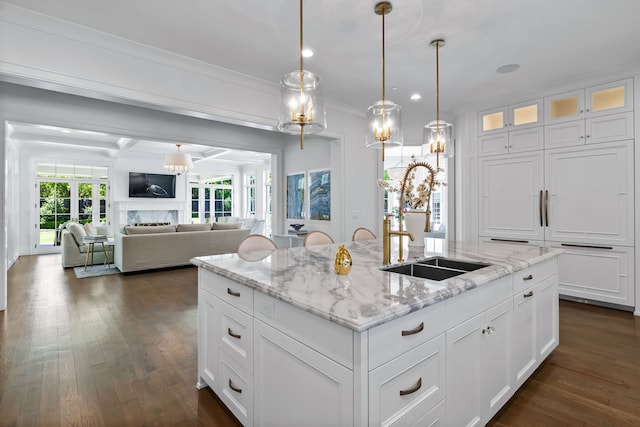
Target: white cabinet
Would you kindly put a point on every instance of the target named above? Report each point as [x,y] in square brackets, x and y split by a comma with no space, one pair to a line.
[479,366]
[512,117]
[535,318]
[512,129]
[610,98]
[405,388]
[297,386]
[510,196]
[591,131]
[208,315]
[590,194]
[597,272]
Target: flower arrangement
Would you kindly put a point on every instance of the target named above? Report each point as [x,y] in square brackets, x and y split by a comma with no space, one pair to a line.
[414,197]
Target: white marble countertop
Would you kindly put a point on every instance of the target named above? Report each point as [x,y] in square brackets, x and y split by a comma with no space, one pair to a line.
[305,278]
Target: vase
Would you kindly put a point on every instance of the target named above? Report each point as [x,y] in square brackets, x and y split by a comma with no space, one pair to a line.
[415,222]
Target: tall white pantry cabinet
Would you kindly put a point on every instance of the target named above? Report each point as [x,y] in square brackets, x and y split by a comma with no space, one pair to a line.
[559,171]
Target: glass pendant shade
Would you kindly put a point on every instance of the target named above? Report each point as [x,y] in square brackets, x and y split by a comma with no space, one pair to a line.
[385,125]
[301,105]
[396,173]
[438,139]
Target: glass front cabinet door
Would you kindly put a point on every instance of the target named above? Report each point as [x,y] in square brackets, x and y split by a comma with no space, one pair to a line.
[609,98]
[512,117]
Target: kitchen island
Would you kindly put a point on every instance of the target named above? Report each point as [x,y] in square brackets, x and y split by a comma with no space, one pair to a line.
[284,340]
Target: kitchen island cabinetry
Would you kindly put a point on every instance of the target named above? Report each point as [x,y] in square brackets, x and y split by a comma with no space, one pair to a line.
[372,348]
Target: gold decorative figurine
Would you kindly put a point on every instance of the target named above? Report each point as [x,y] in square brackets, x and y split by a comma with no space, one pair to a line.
[342,262]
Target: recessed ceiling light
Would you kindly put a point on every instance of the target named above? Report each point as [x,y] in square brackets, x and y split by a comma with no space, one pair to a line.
[307,53]
[509,68]
[415,96]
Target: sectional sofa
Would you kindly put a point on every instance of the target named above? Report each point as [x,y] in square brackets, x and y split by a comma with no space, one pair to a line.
[161,246]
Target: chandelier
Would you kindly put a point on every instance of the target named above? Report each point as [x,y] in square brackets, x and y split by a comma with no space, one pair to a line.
[178,162]
[301,107]
[383,117]
[438,134]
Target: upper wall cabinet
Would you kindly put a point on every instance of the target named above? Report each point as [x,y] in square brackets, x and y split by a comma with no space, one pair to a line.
[609,98]
[517,116]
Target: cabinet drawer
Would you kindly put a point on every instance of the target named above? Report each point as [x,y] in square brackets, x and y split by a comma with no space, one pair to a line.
[414,380]
[417,417]
[236,335]
[227,290]
[401,335]
[235,389]
[324,336]
[528,277]
[462,307]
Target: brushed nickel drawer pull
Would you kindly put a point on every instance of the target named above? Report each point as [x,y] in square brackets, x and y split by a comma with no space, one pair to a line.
[414,331]
[232,293]
[232,334]
[575,245]
[236,389]
[528,294]
[412,389]
[529,277]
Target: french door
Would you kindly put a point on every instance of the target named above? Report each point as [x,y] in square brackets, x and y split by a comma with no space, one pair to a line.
[62,200]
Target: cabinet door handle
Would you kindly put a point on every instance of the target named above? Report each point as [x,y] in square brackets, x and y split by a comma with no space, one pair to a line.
[575,245]
[528,294]
[529,277]
[232,387]
[415,330]
[232,334]
[541,222]
[412,389]
[546,206]
[232,293]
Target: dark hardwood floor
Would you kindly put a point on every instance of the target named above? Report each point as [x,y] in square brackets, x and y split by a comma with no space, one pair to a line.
[121,350]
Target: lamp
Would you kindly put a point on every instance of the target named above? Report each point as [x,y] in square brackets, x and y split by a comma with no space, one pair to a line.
[383,117]
[397,171]
[301,102]
[178,162]
[438,134]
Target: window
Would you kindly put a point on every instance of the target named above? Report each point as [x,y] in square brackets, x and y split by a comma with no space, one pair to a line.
[69,192]
[250,194]
[435,207]
[211,198]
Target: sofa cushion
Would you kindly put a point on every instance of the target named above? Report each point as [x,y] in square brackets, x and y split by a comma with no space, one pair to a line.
[226,226]
[129,229]
[193,227]
[77,231]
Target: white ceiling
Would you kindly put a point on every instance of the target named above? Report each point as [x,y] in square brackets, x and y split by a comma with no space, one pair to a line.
[552,41]
[30,136]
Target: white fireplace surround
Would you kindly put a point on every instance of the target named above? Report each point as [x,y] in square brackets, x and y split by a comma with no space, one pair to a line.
[153,208]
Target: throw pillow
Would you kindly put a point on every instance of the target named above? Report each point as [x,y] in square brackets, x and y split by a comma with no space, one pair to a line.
[226,226]
[248,223]
[77,231]
[150,230]
[90,229]
[193,227]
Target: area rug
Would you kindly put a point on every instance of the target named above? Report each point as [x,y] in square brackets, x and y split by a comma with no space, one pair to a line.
[95,270]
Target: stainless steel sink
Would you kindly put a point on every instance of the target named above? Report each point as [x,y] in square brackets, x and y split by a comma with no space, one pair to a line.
[436,268]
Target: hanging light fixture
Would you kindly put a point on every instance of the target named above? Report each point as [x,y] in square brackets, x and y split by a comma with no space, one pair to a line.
[396,172]
[438,134]
[301,102]
[178,162]
[383,117]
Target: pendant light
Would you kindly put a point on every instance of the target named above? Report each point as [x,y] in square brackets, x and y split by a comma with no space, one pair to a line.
[301,101]
[178,162]
[438,134]
[383,117]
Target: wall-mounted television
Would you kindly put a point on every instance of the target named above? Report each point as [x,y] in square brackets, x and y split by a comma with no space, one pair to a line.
[152,185]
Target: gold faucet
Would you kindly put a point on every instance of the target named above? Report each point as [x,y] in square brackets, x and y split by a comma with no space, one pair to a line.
[386,241]
[386,223]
